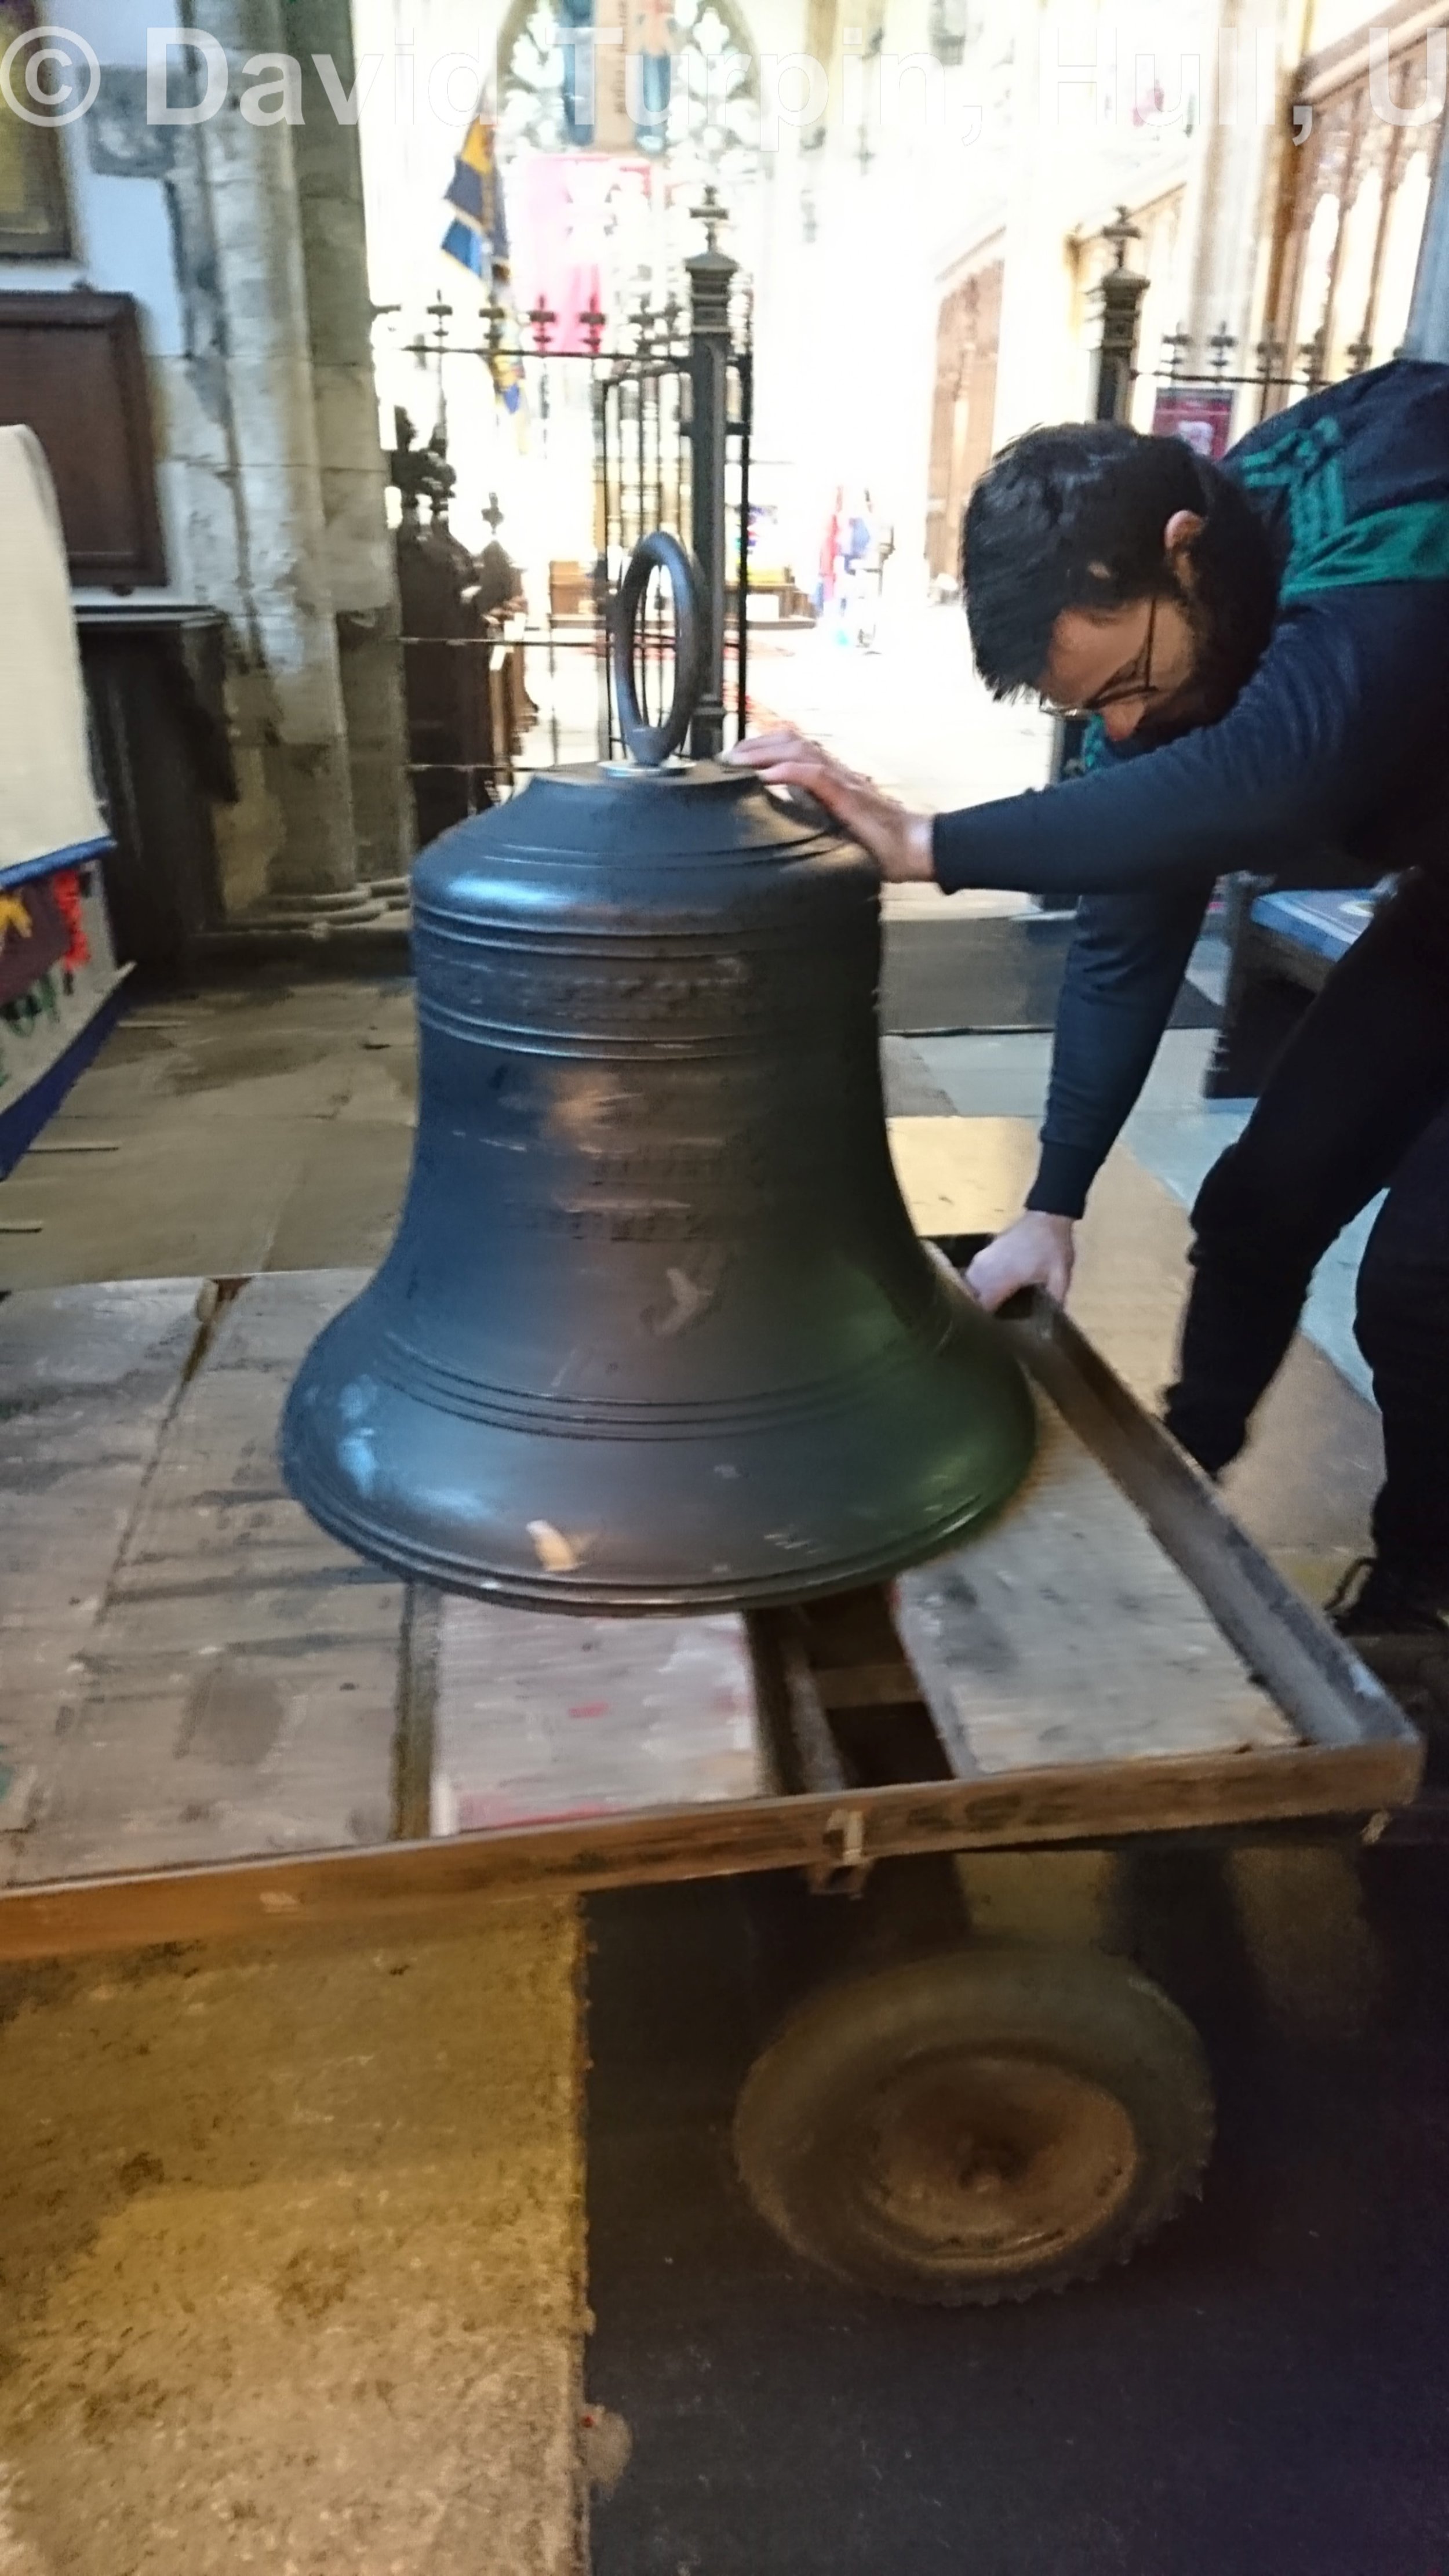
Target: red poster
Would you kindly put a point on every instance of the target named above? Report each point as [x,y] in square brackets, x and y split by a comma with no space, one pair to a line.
[1202,415]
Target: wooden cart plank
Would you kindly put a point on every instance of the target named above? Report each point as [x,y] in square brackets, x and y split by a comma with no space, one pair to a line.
[1065,1633]
[537,1715]
[238,1688]
[1328,1693]
[88,1380]
[243,1687]
[417,1883]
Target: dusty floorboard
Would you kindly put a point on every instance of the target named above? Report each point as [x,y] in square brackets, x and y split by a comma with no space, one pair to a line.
[291,2275]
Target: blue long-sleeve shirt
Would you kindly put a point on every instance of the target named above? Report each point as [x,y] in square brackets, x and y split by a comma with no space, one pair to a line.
[1331,767]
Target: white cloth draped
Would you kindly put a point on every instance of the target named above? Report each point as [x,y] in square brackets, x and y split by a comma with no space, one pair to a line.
[47,800]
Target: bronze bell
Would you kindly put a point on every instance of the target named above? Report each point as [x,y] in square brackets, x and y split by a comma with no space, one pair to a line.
[656,1329]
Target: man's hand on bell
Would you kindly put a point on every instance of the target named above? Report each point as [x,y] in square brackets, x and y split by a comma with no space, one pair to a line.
[1038,1251]
[898,841]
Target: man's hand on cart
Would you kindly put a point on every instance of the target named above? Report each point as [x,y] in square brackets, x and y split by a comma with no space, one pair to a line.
[897,840]
[1038,1251]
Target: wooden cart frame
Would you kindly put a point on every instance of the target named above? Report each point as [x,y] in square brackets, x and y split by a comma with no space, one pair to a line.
[1356,1758]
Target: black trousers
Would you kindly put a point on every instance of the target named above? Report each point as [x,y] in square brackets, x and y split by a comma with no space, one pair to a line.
[1357,1103]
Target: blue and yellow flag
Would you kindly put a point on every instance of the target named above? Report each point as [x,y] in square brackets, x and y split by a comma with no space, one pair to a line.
[477,238]
[478,235]
[507,368]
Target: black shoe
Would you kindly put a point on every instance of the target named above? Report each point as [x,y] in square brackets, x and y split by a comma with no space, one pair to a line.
[1372,1600]
[1401,1630]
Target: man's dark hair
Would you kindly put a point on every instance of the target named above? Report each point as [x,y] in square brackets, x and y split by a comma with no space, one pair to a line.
[1074,518]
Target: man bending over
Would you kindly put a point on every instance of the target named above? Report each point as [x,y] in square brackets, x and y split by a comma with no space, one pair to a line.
[1263,648]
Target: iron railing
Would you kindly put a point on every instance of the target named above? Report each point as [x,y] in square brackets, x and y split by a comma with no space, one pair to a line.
[1278,375]
[670,416]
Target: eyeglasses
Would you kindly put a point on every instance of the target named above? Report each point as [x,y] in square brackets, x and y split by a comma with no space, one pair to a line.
[1134,684]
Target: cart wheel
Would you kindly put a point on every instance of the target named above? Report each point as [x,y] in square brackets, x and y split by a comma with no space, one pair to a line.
[978,2125]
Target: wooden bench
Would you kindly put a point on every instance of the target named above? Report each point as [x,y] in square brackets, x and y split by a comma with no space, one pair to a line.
[1282,948]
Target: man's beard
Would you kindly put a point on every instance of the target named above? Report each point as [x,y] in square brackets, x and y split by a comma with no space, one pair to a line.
[1230,607]
[1224,659]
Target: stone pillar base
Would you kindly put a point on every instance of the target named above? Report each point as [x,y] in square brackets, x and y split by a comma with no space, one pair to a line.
[350,908]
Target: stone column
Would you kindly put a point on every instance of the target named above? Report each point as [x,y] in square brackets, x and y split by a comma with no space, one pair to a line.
[361,567]
[1228,217]
[1040,374]
[289,700]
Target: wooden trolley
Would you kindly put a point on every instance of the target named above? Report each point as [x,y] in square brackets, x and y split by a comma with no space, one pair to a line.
[215,1725]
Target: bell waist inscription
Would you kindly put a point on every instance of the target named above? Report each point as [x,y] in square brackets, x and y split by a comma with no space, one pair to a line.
[665,1221]
[727,1169]
[538,995]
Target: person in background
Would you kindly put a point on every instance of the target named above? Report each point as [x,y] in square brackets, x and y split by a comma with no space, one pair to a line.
[1261,647]
[830,545]
[500,587]
[861,566]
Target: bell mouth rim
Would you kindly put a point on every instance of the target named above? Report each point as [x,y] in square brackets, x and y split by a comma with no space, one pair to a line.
[678,771]
[522,1588]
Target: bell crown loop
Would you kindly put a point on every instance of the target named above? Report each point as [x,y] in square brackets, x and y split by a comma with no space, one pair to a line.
[650,745]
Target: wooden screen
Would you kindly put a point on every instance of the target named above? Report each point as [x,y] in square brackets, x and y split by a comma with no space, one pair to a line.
[1355,198]
[72,368]
[967,334]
